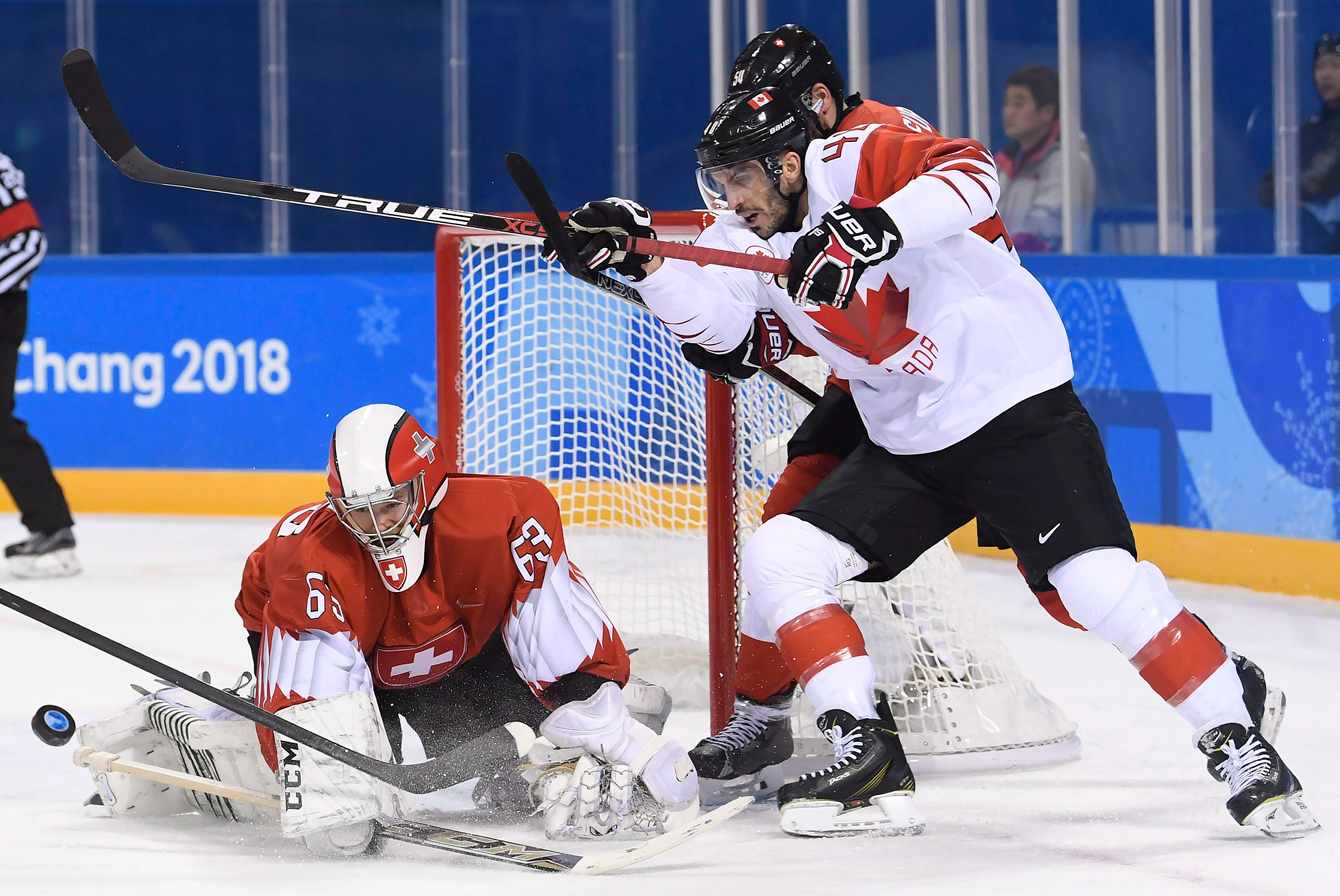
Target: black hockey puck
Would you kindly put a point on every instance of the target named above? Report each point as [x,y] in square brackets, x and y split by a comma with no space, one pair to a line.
[53,725]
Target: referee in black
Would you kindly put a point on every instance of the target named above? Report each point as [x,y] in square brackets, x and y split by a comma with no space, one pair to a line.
[24,468]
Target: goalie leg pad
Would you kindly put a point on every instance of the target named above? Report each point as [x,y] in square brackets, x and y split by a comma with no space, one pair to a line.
[128,734]
[321,793]
[165,729]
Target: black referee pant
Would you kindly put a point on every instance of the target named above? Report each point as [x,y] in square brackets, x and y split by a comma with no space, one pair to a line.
[24,467]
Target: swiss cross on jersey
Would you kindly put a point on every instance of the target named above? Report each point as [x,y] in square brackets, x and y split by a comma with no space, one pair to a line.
[873,326]
[410,667]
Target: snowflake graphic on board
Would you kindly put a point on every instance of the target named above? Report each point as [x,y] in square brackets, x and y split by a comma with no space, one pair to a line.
[1086,307]
[379,325]
[426,413]
[1315,432]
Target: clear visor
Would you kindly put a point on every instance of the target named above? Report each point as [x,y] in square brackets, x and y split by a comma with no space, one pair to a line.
[382,520]
[727,185]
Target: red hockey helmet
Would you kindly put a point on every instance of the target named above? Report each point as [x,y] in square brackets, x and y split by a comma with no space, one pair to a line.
[385,474]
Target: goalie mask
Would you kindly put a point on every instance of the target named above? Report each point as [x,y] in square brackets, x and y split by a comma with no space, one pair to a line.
[385,476]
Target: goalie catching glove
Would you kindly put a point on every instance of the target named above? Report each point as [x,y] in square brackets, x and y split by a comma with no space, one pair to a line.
[830,258]
[612,777]
[769,341]
[593,228]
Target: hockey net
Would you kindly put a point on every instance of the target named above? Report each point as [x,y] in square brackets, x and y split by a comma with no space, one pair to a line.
[661,475]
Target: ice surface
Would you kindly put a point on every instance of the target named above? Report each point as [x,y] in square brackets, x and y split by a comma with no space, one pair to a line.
[1135,814]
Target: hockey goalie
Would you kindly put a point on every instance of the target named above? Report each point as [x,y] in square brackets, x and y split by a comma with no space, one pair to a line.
[445,600]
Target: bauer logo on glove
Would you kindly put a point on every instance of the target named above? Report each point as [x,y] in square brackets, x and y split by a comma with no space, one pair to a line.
[596,228]
[830,258]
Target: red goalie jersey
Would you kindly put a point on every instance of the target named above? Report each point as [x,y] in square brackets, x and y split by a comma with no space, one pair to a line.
[494,559]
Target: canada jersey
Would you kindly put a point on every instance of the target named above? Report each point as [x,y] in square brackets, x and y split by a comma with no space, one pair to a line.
[496,560]
[870,112]
[939,339]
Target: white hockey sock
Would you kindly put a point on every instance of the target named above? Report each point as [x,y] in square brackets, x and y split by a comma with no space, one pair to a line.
[848,684]
[1130,605]
[1217,701]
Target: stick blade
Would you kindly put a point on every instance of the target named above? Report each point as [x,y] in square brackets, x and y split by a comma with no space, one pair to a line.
[604,862]
[84,85]
[532,189]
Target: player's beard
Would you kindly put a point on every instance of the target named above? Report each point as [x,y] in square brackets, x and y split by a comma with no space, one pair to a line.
[773,216]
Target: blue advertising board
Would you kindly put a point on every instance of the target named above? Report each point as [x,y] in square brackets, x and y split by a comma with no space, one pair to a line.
[1215,382]
[221,362]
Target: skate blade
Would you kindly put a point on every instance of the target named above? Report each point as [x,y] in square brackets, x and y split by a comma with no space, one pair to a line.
[1272,715]
[889,815]
[48,566]
[1285,818]
[761,786]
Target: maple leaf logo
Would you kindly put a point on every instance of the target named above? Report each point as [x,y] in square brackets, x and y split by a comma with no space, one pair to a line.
[873,328]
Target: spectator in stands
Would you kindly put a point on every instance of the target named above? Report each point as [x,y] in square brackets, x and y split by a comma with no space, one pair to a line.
[1030,164]
[49,550]
[1319,158]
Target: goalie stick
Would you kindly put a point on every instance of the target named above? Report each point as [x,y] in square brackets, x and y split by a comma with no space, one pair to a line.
[420,833]
[461,764]
[84,86]
[532,189]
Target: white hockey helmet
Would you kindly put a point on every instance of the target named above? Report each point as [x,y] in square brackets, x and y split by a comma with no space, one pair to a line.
[385,474]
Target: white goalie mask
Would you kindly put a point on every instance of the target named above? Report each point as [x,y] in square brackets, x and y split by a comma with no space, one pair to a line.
[385,474]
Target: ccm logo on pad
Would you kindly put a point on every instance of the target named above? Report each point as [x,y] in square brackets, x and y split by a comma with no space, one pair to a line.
[409,667]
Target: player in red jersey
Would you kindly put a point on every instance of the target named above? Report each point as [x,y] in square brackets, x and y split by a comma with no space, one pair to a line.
[449,600]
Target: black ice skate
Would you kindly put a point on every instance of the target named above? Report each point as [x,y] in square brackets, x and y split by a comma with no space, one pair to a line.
[758,735]
[867,790]
[43,555]
[1263,792]
[1265,704]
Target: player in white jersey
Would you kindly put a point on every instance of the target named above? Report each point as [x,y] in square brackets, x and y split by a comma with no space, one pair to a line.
[961,370]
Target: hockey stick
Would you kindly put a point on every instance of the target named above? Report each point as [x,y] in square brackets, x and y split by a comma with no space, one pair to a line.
[422,834]
[99,761]
[532,189]
[461,764]
[84,85]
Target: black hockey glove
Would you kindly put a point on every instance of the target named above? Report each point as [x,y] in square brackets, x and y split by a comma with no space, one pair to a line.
[593,228]
[768,342]
[828,260]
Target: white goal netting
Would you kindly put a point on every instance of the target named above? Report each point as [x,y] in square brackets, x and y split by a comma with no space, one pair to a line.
[590,394]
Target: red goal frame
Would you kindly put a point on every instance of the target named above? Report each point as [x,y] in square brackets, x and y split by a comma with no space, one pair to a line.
[720,448]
